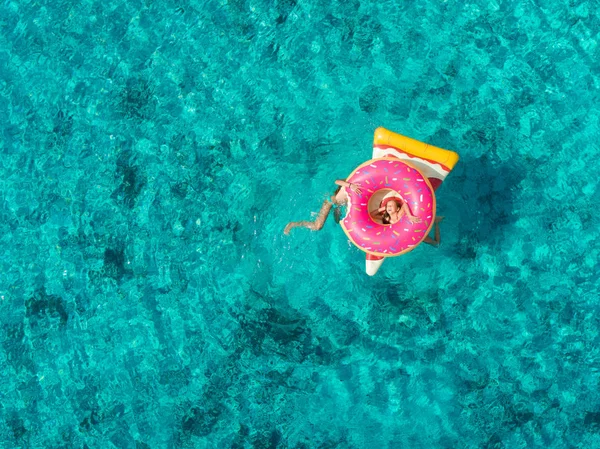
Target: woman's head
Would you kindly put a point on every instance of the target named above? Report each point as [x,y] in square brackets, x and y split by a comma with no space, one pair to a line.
[392,206]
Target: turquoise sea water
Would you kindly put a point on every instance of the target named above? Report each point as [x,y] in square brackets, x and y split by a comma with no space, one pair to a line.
[152,153]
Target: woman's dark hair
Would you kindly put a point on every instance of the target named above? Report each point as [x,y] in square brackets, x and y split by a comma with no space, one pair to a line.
[337,213]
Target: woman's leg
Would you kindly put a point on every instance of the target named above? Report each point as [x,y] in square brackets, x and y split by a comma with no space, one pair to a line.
[438,239]
[312,225]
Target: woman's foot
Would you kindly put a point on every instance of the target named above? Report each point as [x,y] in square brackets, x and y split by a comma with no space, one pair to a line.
[287,229]
[438,219]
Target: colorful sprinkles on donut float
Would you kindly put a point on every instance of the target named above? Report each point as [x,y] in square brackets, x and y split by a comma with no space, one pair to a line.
[380,176]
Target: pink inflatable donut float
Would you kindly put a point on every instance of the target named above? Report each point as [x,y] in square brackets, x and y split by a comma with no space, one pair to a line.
[380,181]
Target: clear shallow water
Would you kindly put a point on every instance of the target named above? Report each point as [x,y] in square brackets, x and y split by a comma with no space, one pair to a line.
[152,154]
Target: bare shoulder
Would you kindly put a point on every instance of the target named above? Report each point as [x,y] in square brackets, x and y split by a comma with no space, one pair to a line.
[340,198]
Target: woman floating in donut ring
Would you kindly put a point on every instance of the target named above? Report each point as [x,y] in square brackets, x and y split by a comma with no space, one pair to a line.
[392,209]
[398,208]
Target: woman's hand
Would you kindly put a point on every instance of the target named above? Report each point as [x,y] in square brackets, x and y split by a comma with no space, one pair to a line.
[355,188]
[414,219]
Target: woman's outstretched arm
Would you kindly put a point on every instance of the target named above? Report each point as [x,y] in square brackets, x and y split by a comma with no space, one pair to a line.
[352,185]
[316,225]
[325,209]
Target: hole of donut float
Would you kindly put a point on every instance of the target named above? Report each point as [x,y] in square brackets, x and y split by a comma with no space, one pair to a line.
[376,199]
